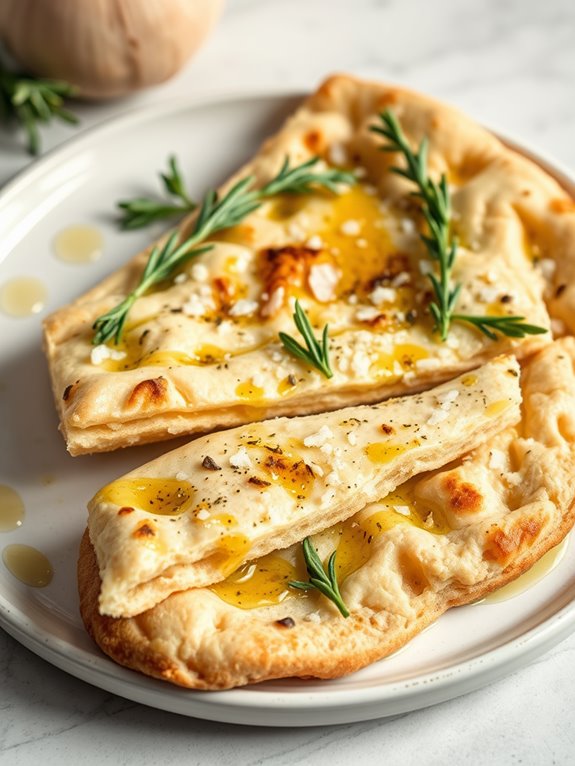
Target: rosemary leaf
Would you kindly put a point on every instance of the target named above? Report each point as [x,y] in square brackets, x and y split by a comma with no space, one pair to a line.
[440,245]
[315,353]
[32,101]
[324,582]
[216,213]
[142,211]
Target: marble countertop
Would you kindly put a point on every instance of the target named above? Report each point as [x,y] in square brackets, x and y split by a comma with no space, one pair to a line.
[510,64]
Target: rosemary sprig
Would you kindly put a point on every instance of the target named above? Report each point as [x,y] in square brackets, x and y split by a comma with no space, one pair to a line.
[315,353]
[441,246]
[32,102]
[142,211]
[215,214]
[325,582]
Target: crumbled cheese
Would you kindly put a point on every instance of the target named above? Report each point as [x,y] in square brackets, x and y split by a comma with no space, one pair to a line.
[361,243]
[322,280]
[200,272]
[277,356]
[337,154]
[315,242]
[327,449]
[243,308]
[366,314]
[497,459]
[179,278]
[408,226]
[437,416]
[452,341]
[448,397]
[102,352]
[196,306]
[350,227]
[319,438]
[224,327]
[425,267]
[258,380]
[382,295]
[275,302]
[241,459]
[361,363]
[352,300]
[333,479]
[181,476]
[202,515]
[547,267]
[403,509]
[343,364]
[490,277]
[313,617]
[317,469]
[295,231]
[352,438]
[403,278]
[488,294]
[426,364]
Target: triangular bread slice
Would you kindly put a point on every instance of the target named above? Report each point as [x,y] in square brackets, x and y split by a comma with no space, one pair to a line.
[195,514]
[203,352]
[443,540]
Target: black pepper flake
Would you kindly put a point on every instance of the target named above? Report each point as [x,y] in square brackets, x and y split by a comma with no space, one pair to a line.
[286,622]
[514,373]
[506,298]
[258,482]
[210,464]
[560,290]
[292,380]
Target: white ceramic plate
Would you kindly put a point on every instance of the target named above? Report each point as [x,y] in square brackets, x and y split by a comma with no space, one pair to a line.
[78,184]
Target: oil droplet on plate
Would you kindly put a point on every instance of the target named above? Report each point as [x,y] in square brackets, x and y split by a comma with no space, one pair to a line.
[79,244]
[11,509]
[22,296]
[538,571]
[28,565]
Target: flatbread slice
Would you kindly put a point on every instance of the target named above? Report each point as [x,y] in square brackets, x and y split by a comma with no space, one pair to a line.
[192,516]
[442,540]
[203,351]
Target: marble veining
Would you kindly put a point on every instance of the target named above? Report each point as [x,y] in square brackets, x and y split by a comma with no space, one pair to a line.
[509,64]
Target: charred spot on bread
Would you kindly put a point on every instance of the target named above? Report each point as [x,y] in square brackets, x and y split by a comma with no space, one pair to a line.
[148,392]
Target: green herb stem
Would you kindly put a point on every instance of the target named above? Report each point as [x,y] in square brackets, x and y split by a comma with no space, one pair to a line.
[324,582]
[216,213]
[440,245]
[315,353]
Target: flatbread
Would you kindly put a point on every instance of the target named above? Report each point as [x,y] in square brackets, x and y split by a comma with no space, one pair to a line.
[468,529]
[195,514]
[203,351]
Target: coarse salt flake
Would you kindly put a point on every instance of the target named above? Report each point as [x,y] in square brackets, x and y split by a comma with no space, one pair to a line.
[315,242]
[203,514]
[366,314]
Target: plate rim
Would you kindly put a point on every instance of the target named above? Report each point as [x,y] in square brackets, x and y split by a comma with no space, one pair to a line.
[239,705]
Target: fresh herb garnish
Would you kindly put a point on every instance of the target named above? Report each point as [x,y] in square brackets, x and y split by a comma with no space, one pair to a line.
[314,352]
[325,582]
[215,214]
[33,101]
[142,211]
[441,246]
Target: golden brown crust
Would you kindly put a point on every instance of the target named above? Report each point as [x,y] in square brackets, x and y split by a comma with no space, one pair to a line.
[412,576]
[512,220]
[308,473]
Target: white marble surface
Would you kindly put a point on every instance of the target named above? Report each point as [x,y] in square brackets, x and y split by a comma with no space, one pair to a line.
[510,63]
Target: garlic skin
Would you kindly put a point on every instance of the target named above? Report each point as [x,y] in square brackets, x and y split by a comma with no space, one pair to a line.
[106,48]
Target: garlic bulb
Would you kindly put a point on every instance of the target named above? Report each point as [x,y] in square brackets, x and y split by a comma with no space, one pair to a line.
[105,47]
